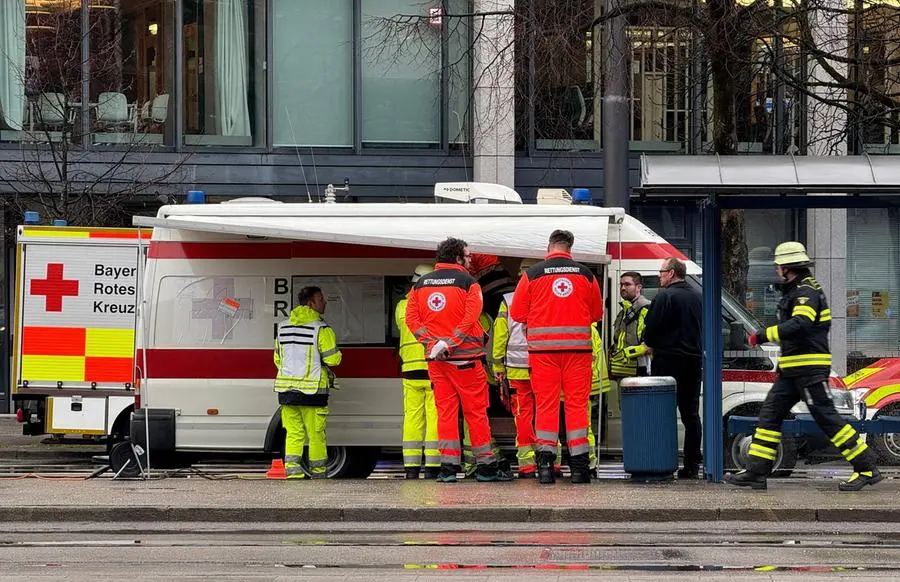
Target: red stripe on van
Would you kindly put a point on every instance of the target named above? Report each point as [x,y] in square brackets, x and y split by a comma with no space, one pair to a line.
[748,376]
[278,250]
[642,251]
[249,364]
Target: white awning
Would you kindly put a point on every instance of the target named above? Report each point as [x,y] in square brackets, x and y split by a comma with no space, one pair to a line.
[752,175]
[506,230]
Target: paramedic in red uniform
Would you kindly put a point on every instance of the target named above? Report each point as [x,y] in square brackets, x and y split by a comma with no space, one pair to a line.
[443,313]
[558,300]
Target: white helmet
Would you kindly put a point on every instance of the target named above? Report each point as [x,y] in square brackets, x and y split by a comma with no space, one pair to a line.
[421,270]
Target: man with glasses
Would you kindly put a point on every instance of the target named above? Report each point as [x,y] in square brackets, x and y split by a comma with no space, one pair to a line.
[443,313]
[672,332]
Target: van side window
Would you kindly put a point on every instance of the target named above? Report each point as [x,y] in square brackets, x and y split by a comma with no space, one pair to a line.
[226,311]
[355,308]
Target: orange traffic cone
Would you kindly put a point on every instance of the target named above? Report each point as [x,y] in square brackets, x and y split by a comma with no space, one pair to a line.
[276,471]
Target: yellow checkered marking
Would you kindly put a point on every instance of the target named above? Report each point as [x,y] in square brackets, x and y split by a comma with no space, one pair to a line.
[59,368]
[109,343]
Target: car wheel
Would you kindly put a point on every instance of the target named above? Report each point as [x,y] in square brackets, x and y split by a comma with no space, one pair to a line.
[886,446]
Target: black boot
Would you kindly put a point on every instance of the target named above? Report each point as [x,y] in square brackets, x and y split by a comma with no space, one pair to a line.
[447,473]
[747,479]
[545,468]
[431,473]
[412,472]
[581,472]
[503,464]
[492,472]
[689,472]
[860,479]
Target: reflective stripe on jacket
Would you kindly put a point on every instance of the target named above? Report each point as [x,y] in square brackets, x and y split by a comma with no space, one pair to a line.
[628,334]
[804,320]
[509,345]
[304,346]
[412,353]
[445,305]
[558,299]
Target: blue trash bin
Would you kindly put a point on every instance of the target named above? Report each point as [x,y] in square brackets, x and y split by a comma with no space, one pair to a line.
[649,429]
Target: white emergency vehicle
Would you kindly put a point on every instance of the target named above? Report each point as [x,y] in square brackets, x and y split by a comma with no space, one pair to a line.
[73,329]
[220,277]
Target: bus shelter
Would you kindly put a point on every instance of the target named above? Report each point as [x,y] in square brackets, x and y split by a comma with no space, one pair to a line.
[750,182]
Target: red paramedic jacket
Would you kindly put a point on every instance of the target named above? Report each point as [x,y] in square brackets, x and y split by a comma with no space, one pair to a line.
[558,299]
[445,305]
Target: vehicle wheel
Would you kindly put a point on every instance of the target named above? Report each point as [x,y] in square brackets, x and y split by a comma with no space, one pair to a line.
[737,449]
[122,455]
[364,461]
[347,462]
[886,446]
[120,430]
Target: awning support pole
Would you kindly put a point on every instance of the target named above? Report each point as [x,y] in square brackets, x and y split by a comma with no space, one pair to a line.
[713,444]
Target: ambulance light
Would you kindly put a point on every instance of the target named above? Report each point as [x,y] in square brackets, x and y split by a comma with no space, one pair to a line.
[581,196]
[212,411]
[196,197]
[60,222]
[32,217]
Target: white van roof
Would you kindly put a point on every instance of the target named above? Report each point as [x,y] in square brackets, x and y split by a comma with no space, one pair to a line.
[501,229]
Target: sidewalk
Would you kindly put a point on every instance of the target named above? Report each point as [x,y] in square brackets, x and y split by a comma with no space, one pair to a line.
[259,500]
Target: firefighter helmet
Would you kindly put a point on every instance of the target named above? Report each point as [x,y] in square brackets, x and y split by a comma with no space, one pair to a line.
[791,254]
[420,271]
[527,264]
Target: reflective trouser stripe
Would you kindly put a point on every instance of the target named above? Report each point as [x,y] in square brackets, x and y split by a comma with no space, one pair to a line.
[851,454]
[522,398]
[302,423]
[525,457]
[767,453]
[419,424]
[770,436]
[843,435]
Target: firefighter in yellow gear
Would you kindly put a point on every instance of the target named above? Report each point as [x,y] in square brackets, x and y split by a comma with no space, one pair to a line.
[419,410]
[804,366]
[305,350]
[628,354]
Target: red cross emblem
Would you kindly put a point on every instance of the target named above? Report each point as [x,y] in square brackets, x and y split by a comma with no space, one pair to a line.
[562,287]
[54,287]
[437,301]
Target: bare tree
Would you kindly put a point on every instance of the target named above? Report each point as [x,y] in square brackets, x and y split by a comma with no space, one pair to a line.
[85,153]
[789,76]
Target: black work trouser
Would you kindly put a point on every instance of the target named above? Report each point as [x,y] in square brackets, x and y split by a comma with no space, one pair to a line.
[813,390]
[687,371]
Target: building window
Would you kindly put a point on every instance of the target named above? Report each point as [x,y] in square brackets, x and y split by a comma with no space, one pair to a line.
[220,78]
[873,282]
[401,75]
[313,73]
[130,63]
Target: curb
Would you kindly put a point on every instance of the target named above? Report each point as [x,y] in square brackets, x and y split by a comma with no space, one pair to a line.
[433,514]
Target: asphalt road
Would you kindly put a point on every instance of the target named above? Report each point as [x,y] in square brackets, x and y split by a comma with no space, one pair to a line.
[636,551]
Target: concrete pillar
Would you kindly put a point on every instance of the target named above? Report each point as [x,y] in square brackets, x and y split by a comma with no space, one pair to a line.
[826,128]
[493,79]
